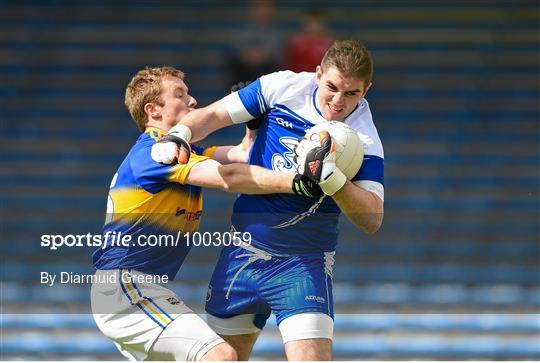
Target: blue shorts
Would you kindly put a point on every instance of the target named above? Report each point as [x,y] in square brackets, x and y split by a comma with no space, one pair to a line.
[255,282]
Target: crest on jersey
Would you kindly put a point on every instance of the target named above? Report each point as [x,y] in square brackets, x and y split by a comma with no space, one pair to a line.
[286,160]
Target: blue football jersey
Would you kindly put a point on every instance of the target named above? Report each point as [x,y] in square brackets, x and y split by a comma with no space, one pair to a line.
[284,223]
[148,199]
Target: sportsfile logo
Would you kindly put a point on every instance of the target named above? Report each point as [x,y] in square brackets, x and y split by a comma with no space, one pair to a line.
[320,300]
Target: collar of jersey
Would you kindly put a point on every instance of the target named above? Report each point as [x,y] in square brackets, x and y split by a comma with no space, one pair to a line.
[153,131]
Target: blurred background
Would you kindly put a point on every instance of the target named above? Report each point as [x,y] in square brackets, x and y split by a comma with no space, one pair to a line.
[454,273]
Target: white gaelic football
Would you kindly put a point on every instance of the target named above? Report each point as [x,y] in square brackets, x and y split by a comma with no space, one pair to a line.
[347,143]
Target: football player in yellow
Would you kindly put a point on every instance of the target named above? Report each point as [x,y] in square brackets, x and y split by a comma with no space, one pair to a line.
[144,319]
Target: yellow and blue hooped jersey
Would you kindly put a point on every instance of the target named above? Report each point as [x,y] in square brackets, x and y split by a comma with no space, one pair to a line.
[149,209]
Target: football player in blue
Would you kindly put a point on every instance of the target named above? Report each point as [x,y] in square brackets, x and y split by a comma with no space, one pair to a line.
[287,269]
[147,200]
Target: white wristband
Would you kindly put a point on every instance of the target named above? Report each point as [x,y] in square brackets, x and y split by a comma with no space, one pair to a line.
[181,131]
[333,183]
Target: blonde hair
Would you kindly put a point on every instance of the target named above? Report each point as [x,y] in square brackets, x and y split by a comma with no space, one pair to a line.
[351,58]
[145,87]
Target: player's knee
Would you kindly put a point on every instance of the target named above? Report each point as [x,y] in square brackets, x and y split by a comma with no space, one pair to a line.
[221,352]
[229,354]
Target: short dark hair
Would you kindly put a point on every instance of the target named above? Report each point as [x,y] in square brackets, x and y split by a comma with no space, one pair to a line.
[351,58]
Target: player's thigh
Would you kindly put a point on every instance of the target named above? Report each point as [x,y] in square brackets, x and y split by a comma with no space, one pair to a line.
[307,336]
[232,289]
[319,349]
[299,285]
[187,338]
[239,331]
[134,315]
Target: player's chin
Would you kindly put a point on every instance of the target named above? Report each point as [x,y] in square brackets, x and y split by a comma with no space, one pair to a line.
[332,115]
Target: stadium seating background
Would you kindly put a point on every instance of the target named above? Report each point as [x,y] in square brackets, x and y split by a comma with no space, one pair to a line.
[453,273]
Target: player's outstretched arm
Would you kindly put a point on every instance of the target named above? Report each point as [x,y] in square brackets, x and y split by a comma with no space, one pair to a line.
[248,179]
[203,121]
[196,125]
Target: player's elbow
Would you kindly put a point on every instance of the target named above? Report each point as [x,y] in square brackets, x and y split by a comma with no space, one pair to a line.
[373,219]
[239,155]
[230,181]
[374,223]
[243,156]
[369,223]
[226,188]
[372,227]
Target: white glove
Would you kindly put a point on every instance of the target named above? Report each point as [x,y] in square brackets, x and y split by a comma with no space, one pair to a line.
[174,146]
[332,179]
[164,152]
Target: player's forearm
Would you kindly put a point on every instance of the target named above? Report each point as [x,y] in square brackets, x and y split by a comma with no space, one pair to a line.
[364,209]
[238,153]
[251,179]
[227,155]
[206,120]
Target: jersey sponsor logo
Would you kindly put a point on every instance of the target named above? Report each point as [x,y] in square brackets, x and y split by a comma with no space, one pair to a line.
[319,299]
[188,216]
[173,301]
[282,122]
[285,161]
